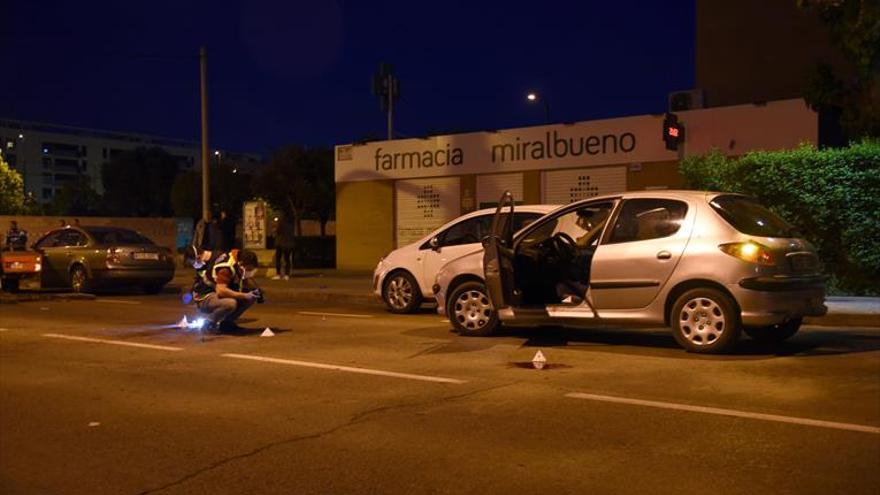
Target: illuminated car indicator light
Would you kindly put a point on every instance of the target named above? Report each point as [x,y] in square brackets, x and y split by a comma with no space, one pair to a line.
[751,252]
[38,267]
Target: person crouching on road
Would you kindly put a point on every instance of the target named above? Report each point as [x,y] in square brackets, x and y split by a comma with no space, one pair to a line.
[233,291]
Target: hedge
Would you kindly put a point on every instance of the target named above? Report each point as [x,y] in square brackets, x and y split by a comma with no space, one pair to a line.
[832,196]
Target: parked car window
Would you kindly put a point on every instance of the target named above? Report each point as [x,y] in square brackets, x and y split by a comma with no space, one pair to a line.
[50,240]
[644,219]
[582,225]
[72,238]
[520,220]
[466,232]
[117,236]
[750,217]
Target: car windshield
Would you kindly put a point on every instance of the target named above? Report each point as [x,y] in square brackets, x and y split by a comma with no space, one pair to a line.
[750,217]
[117,236]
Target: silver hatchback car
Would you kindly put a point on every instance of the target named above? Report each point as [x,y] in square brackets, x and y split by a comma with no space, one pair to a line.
[709,265]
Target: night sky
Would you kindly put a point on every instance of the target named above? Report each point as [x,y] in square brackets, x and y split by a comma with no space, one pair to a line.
[293,71]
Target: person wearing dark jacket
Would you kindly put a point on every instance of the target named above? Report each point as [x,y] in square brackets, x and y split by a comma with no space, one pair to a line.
[284,249]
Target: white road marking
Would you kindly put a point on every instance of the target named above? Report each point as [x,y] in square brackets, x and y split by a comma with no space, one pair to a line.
[343,315]
[117,301]
[444,321]
[4,329]
[729,412]
[349,369]
[112,342]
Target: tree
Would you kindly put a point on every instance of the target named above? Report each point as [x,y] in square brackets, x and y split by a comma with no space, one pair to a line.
[299,182]
[12,198]
[854,26]
[138,182]
[76,198]
[229,189]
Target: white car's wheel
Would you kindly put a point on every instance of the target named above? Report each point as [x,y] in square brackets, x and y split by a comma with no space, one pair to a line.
[470,310]
[401,293]
[705,320]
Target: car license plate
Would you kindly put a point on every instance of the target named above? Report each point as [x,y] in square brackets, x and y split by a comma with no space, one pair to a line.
[16,265]
[146,256]
[801,263]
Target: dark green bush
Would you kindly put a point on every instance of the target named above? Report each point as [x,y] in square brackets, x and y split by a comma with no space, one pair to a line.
[832,196]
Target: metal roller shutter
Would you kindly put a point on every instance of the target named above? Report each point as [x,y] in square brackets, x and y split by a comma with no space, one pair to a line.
[568,186]
[423,205]
[490,188]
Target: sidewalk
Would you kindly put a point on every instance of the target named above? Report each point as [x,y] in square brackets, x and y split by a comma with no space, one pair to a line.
[329,285]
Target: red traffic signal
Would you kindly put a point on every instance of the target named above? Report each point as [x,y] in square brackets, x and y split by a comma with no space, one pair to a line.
[673,132]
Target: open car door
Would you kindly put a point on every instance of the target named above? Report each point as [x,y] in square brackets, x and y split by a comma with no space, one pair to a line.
[498,255]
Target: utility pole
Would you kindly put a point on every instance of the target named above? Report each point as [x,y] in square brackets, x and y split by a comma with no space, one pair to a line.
[206,173]
[387,88]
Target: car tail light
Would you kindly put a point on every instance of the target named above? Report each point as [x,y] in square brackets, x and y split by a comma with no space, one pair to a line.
[750,251]
[38,266]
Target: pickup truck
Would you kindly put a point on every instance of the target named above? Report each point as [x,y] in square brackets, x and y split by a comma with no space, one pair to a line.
[20,270]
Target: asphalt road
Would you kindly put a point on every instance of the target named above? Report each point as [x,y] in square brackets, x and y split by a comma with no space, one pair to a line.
[107,396]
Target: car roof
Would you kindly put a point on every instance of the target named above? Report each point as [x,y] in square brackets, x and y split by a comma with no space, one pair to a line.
[658,193]
[541,208]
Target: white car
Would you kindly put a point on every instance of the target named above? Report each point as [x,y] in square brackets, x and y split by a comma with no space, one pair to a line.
[404,278]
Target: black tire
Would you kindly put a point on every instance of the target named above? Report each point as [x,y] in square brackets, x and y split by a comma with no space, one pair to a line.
[774,334]
[470,310]
[705,320]
[9,284]
[152,289]
[401,293]
[79,279]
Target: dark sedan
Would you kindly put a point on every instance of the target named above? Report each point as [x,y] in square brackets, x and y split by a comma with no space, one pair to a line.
[86,258]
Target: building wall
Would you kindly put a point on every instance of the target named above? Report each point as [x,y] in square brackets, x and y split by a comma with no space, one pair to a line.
[757,50]
[367,206]
[49,156]
[364,223]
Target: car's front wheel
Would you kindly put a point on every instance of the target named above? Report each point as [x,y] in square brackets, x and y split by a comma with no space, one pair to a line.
[774,334]
[705,320]
[79,279]
[470,310]
[401,293]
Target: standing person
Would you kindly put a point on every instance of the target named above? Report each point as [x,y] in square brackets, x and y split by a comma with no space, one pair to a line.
[63,223]
[227,230]
[284,248]
[207,236]
[16,239]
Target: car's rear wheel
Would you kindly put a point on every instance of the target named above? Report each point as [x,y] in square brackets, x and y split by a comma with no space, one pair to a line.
[705,320]
[470,310]
[774,334]
[401,293]
[79,279]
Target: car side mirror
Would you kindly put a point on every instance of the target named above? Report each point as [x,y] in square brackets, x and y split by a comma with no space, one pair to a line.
[434,243]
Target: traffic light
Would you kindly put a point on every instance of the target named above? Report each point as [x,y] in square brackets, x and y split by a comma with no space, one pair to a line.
[673,131]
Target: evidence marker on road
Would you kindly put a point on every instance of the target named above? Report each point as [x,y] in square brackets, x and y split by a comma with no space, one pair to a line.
[539,360]
[267,333]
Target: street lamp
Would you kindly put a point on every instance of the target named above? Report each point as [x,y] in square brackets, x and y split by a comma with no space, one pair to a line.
[532,97]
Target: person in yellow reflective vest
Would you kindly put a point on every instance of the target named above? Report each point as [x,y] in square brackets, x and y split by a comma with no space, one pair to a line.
[224,287]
